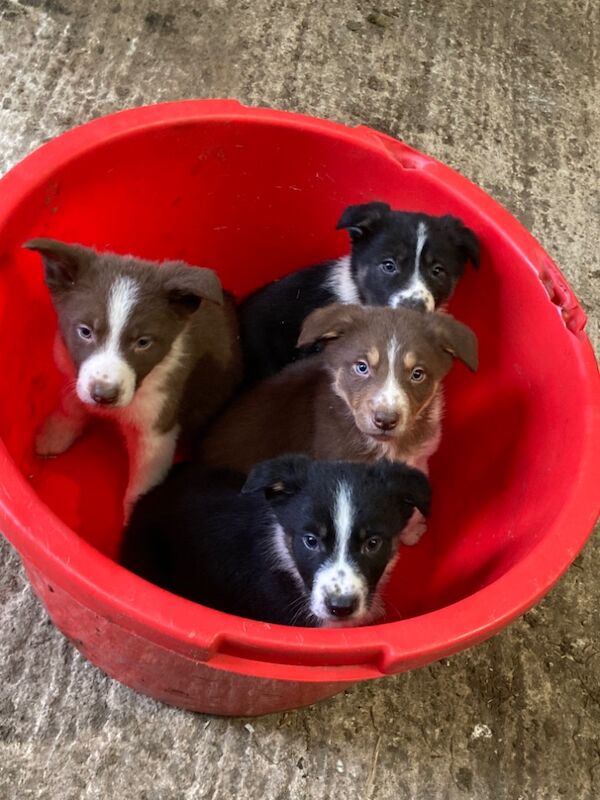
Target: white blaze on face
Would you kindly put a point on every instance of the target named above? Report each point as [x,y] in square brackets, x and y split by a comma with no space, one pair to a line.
[416,290]
[107,364]
[392,396]
[339,576]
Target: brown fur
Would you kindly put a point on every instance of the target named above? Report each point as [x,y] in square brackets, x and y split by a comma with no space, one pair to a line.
[172,386]
[319,406]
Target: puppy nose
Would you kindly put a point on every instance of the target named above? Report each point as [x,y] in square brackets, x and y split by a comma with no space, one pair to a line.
[105,394]
[342,606]
[416,303]
[386,420]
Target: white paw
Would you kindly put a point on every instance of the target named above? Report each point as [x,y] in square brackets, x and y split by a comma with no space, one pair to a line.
[56,435]
[129,502]
[415,528]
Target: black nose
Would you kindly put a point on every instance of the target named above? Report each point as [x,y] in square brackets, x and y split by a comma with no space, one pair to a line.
[416,303]
[342,606]
[105,394]
[386,420]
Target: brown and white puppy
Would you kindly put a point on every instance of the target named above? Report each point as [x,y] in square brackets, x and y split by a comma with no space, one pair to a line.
[136,342]
[374,392]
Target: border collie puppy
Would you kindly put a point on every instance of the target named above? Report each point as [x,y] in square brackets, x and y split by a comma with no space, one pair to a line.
[374,392]
[398,258]
[305,542]
[137,342]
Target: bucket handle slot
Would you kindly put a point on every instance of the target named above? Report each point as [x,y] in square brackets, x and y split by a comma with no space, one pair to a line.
[562,296]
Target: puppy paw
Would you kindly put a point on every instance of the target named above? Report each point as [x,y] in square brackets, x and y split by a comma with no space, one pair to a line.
[415,528]
[56,435]
[129,502]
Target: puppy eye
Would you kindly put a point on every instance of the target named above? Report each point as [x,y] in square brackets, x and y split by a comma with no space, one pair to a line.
[437,270]
[361,368]
[371,545]
[310,542]
[418,375]
[85,332]
[389,266]
[143,343]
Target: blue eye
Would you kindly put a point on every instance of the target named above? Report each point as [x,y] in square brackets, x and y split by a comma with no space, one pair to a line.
[361,368]
[310,542]
[389,266]
[85,332]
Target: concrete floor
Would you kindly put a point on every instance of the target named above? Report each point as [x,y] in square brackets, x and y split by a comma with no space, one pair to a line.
[506,93]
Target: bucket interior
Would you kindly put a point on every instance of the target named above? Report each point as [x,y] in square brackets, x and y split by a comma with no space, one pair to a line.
[255,201]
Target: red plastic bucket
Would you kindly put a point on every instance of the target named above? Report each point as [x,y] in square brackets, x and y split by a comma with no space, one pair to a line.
[255,194]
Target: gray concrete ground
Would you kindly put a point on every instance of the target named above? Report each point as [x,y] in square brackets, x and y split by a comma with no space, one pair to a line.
[505,92]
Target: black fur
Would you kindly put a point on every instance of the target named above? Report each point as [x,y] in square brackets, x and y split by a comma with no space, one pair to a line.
[210,536]
[271,318]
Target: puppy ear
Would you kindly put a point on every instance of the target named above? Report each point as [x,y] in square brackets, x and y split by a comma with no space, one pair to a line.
[278,477]
[410,485]
[187,287]
[464,239]
[63,263]
[362,219]
[417,492]
[456,339]
[329,322]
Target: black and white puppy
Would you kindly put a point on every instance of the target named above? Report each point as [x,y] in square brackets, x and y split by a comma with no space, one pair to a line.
[299,542]
[398,258]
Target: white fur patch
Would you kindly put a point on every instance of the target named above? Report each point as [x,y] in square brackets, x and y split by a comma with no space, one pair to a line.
[281,556]
[342,284]
[392,396]
[421,239]
[339,576]
[107,364]
[150,457]
[416,289]
[150,452]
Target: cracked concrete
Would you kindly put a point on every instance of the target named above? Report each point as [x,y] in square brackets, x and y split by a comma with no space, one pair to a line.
[506,93]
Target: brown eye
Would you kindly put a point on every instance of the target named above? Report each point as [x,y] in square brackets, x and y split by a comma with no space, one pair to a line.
[310,542]
[143,343]
[371,545]
[389,266]
[438,270]
[361,368]
[418,375]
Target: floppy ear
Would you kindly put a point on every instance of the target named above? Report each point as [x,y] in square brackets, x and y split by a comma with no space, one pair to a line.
[362,219]
[278,477]
[417,491]
[464,239]
[63,263]
[408,484]
[187,287]
[456,339]
[329,322]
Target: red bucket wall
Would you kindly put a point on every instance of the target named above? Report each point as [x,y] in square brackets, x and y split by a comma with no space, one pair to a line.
[256,201]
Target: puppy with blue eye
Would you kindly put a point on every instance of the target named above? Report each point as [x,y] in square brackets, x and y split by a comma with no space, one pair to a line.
[375,391]
[297,542]
[151,346]
[397,258]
